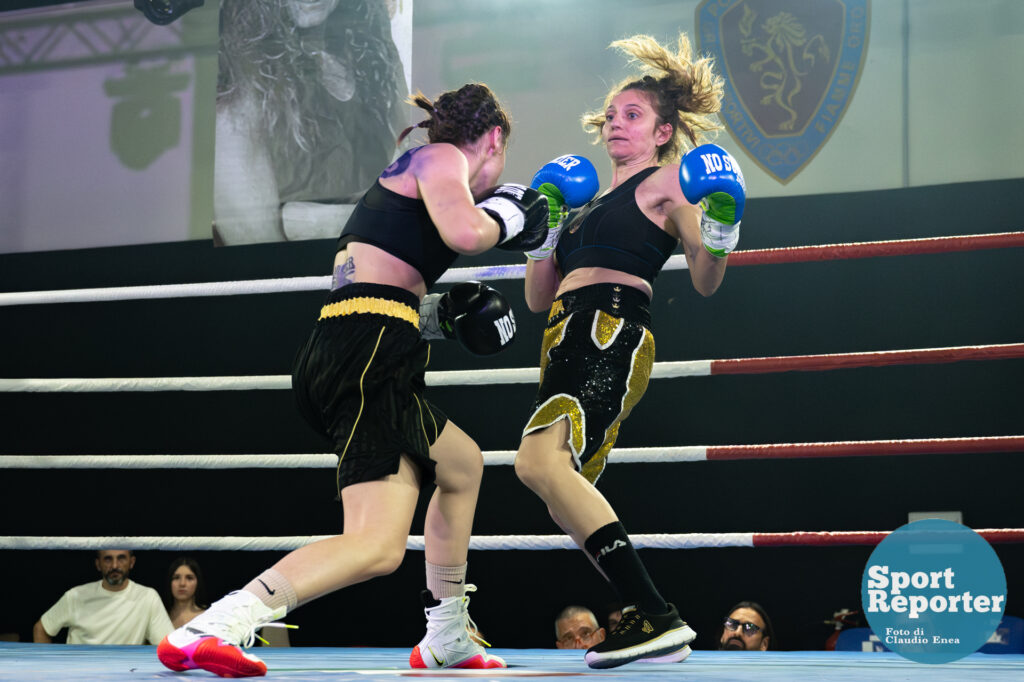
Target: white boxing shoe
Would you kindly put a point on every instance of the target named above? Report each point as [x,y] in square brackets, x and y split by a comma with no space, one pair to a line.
[448,643]
[677,656]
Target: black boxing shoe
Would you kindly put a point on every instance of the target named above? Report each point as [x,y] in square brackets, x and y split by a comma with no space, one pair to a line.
[641,635]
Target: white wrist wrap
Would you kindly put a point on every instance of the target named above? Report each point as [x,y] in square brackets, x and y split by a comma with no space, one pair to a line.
[508,212]
[719,239]
[547,249]
[430,326]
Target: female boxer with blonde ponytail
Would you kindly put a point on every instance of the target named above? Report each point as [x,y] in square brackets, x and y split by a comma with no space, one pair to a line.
[598,349]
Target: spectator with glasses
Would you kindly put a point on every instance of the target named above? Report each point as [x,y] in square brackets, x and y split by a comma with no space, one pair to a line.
[576,628]
[747,628]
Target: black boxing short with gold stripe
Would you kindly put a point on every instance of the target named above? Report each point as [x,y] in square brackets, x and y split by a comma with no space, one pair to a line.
[596,361]
[359,381]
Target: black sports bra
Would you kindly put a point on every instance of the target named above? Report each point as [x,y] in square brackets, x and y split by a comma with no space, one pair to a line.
[401,226]
[612,232]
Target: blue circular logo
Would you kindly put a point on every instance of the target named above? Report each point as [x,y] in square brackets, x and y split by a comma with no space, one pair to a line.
[933,591]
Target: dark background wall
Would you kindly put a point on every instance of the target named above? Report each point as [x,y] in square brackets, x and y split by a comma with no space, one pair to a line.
[827,307]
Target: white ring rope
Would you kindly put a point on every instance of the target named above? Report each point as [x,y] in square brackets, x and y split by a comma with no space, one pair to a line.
[415,542]
[301,461]
[484,542]
[274,382]
[524,375]
[795,254]
[251,286]
[531,375]
[147,384]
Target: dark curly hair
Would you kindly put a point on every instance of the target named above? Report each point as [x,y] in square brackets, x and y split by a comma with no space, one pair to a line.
[460,116]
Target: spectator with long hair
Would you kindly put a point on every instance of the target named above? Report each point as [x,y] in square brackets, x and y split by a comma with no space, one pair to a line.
[184,591]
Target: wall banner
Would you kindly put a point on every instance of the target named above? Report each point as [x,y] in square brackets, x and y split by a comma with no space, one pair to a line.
[791,68]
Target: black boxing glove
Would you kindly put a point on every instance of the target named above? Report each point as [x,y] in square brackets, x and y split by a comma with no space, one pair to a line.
[521,213]
[475,314]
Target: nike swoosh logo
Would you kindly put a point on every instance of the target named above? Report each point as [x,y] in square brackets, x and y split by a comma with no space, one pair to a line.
[269,591]
[453,582]
[439,661]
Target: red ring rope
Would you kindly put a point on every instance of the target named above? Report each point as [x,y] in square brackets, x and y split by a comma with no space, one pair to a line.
[811,363]
[861,448]
[848,538]
[894,247]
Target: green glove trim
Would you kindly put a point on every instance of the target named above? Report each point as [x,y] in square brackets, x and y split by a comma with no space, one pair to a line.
[721,207]
[555,203]
[717,253]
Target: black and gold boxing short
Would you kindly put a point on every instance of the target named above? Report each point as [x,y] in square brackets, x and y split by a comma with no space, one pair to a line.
[596,360]
[359,381]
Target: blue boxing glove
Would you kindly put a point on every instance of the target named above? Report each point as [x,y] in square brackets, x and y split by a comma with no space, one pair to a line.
[567,182]
[477,315]
[710,176]
[573,176]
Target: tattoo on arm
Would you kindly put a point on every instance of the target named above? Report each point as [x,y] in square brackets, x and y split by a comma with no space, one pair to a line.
[401,164]
[343,274]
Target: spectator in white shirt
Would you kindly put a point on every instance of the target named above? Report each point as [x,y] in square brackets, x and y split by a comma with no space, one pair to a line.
[112,610]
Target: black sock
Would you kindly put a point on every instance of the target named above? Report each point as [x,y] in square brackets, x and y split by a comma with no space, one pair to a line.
[615,554]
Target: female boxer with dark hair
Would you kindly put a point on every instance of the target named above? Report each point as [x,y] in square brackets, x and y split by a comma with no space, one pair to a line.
[598,349]
[359,380]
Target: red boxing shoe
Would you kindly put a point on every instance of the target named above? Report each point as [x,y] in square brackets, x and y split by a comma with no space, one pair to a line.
[213,640]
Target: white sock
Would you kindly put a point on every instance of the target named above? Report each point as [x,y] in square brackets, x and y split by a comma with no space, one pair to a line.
[446,581]
[273,589]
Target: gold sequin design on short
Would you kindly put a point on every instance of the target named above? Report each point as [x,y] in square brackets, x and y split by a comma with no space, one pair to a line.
[636,385]
[558,407]
[606,328]
[561,405]
[552,337]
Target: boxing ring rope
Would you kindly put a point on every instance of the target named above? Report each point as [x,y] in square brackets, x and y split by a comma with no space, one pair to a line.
[653,455]
[760,365]
[488,542]
[794,254]
[529,375]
